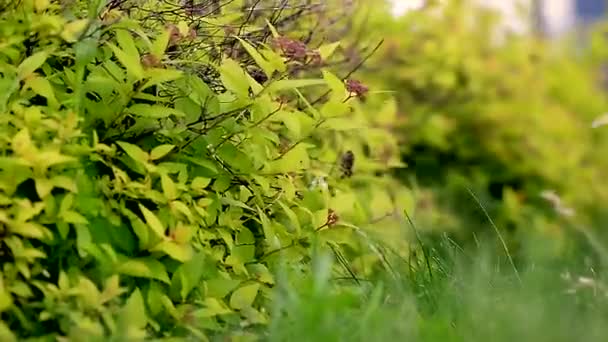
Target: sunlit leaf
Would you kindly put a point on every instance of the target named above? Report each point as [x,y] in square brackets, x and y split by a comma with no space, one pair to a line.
[153,222]
[134,151]
[144,268]
[30,64]
[153,111]
[243,297]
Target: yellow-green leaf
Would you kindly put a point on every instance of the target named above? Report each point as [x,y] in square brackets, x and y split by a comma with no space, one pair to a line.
[134,151]
[29,230]
[293,84]
[6,301]
[43,187]
[144,268]
[160,151]
[234,78]
[160,44]
[134,310]
[168,186]
[243,297]
[327,50]
[73,30]
[42,87]
[213,307]
[257,57]
[176,251]
[153,111]
[153,222]
[200,183]
[30,64]
[131,63]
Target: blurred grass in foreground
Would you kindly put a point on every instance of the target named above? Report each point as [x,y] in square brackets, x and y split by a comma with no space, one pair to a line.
[469,296]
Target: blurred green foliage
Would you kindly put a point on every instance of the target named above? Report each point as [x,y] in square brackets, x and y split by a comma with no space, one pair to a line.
[507,116]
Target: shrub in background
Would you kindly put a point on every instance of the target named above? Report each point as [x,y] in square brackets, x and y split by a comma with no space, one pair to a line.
[509,117]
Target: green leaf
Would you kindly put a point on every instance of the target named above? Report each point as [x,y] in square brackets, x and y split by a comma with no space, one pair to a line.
[326,50]
[213,307]
[42,87]
[141,230]
[131,62]
[5,334]
[200,183]
[342,124]
[6,301]
[158,76]
[134,152]
[134,311]
[153,222]
[292,216]
[73,30]
[153,111]
[146,267]
[293,84]
[169,188]
[294,160]
[220,287]
[30,64]
[188,276]
[234,78]
[160,151]
[244,296]
[176,251]
[160,44]
[273,30]
[335,84]
[258,58]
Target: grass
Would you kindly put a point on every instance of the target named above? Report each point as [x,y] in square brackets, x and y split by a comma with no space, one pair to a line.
[471,296]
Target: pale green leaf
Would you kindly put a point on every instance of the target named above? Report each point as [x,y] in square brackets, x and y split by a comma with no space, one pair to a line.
[326,50]
[188,276]
[160,151]
[258,58]
[176,251]
[134,310]
[134,151]
[144,268]
[243,297]
[153,111]
[200,183]
[73,30]
[153,222]
[42,87]
[30,64]
[234,78]
[169,188]
[293,84]
[131,63]
[160,44]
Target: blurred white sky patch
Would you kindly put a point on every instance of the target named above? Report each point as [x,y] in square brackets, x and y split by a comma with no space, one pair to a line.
[557,15]
[400,7]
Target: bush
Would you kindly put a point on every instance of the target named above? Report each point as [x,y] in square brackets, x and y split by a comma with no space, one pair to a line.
[157,172]
[507,116]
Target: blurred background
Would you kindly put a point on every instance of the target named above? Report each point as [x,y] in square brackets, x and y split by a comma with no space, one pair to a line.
[505,100]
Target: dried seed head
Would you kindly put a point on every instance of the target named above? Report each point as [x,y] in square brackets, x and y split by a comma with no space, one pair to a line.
[356,87]
[291,48]
[332,217]
[315,58]
[347,162]
[150,61]
[174,35]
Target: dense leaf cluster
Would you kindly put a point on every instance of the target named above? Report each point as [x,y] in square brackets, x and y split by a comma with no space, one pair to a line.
[161,162]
